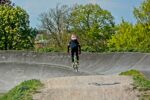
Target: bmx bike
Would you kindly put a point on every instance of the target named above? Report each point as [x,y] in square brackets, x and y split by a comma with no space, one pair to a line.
[75,64]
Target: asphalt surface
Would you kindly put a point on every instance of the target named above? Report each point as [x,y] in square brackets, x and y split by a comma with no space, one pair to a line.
[17,66]
[96,87]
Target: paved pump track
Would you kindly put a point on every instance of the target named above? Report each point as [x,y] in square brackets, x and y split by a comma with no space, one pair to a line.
[17,66]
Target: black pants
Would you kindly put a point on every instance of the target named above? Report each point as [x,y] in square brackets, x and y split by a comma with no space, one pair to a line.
[74,51]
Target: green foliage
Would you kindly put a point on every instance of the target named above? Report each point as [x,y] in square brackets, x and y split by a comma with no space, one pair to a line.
[131,38]
[142,13]
[23,91]
[88,49]
[15,33]
[48,49]
[93,24]
[96,29]
[140,83]
[90,22]
[1,94]
[121,41]
[132,73]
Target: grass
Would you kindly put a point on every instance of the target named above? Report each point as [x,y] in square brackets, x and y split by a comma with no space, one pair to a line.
[140,83]
[23,91]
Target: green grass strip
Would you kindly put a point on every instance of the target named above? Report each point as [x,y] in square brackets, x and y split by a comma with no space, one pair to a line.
[23,91]
[140,83]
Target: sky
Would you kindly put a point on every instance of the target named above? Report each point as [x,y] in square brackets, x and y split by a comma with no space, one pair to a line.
[118,8]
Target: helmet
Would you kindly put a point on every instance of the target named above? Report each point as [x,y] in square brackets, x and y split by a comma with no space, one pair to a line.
[73,37]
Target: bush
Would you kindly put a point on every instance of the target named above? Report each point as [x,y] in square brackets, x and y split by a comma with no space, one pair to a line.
[23,91]
[140,83]
[48,49]
[88,49]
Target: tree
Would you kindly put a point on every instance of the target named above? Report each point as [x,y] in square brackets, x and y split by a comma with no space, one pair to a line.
[93,24]
[15,33]
[7,2]
[136,37]
[55,22]
[124,39]
[130,38]
[141,13]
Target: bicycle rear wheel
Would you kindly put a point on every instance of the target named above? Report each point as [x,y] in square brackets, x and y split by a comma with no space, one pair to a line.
[76,67]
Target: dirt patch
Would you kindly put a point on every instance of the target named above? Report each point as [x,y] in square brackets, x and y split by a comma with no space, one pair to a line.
[88,88]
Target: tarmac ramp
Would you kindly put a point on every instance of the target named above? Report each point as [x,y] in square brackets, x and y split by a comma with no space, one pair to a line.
[17,66]
[97,87]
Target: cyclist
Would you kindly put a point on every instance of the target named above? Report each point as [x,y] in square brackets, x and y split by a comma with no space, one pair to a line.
[75,47]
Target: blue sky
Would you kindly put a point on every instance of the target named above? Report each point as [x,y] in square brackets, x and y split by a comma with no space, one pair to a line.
[118,8]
